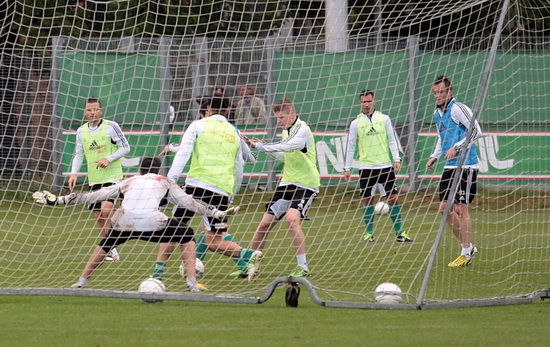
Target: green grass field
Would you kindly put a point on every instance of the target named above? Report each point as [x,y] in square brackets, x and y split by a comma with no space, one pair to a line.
[67,321]
[47,247]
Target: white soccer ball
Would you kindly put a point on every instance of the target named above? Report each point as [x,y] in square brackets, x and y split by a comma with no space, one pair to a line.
[199,268]
[381,208]
[388,293]
[151,286]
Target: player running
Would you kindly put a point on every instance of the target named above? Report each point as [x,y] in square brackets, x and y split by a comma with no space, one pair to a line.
[299,185]
[213,145]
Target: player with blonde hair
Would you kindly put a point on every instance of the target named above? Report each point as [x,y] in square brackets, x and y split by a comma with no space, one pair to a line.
[298,187]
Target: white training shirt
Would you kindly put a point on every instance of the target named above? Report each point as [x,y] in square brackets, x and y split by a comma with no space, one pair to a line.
[143,194]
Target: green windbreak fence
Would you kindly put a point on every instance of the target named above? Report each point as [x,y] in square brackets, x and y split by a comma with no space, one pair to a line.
[326,86]
[128,85]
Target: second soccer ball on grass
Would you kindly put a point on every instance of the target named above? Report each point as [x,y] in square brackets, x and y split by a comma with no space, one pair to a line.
[388,293]
[381,208]
[199,268]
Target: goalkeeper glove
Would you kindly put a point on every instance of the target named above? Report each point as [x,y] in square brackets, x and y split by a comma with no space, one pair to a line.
[229,212]
[46,198]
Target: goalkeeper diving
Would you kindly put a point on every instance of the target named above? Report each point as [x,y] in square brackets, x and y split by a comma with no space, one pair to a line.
[140,217]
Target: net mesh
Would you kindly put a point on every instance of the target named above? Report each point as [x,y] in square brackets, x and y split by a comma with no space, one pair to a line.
[150,62]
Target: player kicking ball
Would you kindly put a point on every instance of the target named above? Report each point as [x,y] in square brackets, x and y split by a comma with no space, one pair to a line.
[139,217]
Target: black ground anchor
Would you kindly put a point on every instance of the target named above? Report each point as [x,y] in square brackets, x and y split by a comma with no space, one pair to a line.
[292,294]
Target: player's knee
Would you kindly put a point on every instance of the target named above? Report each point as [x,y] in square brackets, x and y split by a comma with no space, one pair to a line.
[212,247]
[460,209]
[105,213]
[212,240]
[107,207]
[210,236]
[293,218]
[104,216]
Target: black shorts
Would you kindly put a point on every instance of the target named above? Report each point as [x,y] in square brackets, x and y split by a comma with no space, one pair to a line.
[96,206]
[290,196]
[467,187]
[221,202]
[379,178]
[175,231]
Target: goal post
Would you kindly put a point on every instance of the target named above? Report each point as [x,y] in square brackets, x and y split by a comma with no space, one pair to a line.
[151,64]
[457,177]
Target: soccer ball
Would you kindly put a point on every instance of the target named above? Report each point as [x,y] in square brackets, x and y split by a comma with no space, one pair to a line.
[151,286]
[388,293]
[199,268]
[381,208]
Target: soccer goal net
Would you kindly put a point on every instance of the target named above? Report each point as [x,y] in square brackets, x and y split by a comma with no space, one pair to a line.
[151,63]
